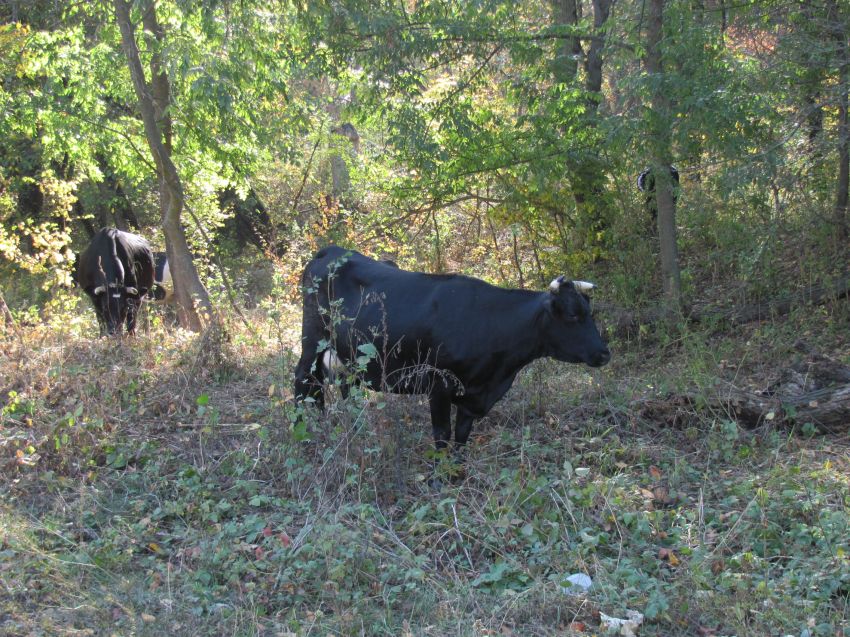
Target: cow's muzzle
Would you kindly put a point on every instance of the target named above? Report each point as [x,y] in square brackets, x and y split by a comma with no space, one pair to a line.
[600,358]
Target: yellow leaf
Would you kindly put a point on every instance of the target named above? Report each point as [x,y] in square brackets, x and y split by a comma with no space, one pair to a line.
[271,390]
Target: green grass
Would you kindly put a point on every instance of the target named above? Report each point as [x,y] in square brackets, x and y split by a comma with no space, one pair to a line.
[147,491]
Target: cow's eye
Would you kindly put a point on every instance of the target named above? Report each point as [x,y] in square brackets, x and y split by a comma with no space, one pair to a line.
[571,318]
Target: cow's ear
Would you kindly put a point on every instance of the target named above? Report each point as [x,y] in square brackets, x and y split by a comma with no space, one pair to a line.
[552,305]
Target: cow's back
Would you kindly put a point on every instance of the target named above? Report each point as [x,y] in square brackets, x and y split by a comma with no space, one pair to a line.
[447,320]
[123,256]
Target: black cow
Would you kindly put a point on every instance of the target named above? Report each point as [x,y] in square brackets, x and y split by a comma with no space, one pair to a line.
[457,339]
[163,286]
[646,184]
[116,271]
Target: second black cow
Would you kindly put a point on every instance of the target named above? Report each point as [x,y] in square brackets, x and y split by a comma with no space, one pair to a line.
[163,286]
[457,339]
[116,270]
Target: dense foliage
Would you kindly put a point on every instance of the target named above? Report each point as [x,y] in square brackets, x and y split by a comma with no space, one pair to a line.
[493,137]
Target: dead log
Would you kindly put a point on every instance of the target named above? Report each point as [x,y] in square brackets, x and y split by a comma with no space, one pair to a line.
[828,410]
[625,323]
[813,391]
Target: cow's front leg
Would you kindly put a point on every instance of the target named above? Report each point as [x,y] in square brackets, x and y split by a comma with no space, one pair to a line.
[463,426]
[132,313]
[441,423]
[441,419]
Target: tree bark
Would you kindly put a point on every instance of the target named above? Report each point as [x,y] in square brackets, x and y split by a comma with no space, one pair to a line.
[661,158]
[191,295]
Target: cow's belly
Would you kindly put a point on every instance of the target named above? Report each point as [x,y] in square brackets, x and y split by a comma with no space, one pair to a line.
[413,378]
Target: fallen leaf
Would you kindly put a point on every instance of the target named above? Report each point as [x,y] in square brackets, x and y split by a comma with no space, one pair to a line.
[655,472]
[669,556]
[148,618]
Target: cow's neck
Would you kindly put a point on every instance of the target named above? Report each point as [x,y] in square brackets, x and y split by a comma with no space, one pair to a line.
[522,341]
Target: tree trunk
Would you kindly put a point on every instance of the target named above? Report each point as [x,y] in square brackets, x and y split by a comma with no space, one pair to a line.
[593,62]
[587,177]
[660,146]
[190,293]
[565,65]
[340,178]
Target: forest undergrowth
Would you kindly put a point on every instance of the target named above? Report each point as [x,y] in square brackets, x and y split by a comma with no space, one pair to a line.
[148,491]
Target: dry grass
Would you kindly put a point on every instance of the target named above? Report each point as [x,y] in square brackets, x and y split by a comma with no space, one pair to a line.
[152,486]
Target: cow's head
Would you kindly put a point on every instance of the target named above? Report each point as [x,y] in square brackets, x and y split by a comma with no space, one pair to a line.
[570,333]
[115,301]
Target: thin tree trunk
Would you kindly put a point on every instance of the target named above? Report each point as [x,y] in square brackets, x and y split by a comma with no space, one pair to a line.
[843,186]
[8,320]
[661,160]
[190,293]
[517,260]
